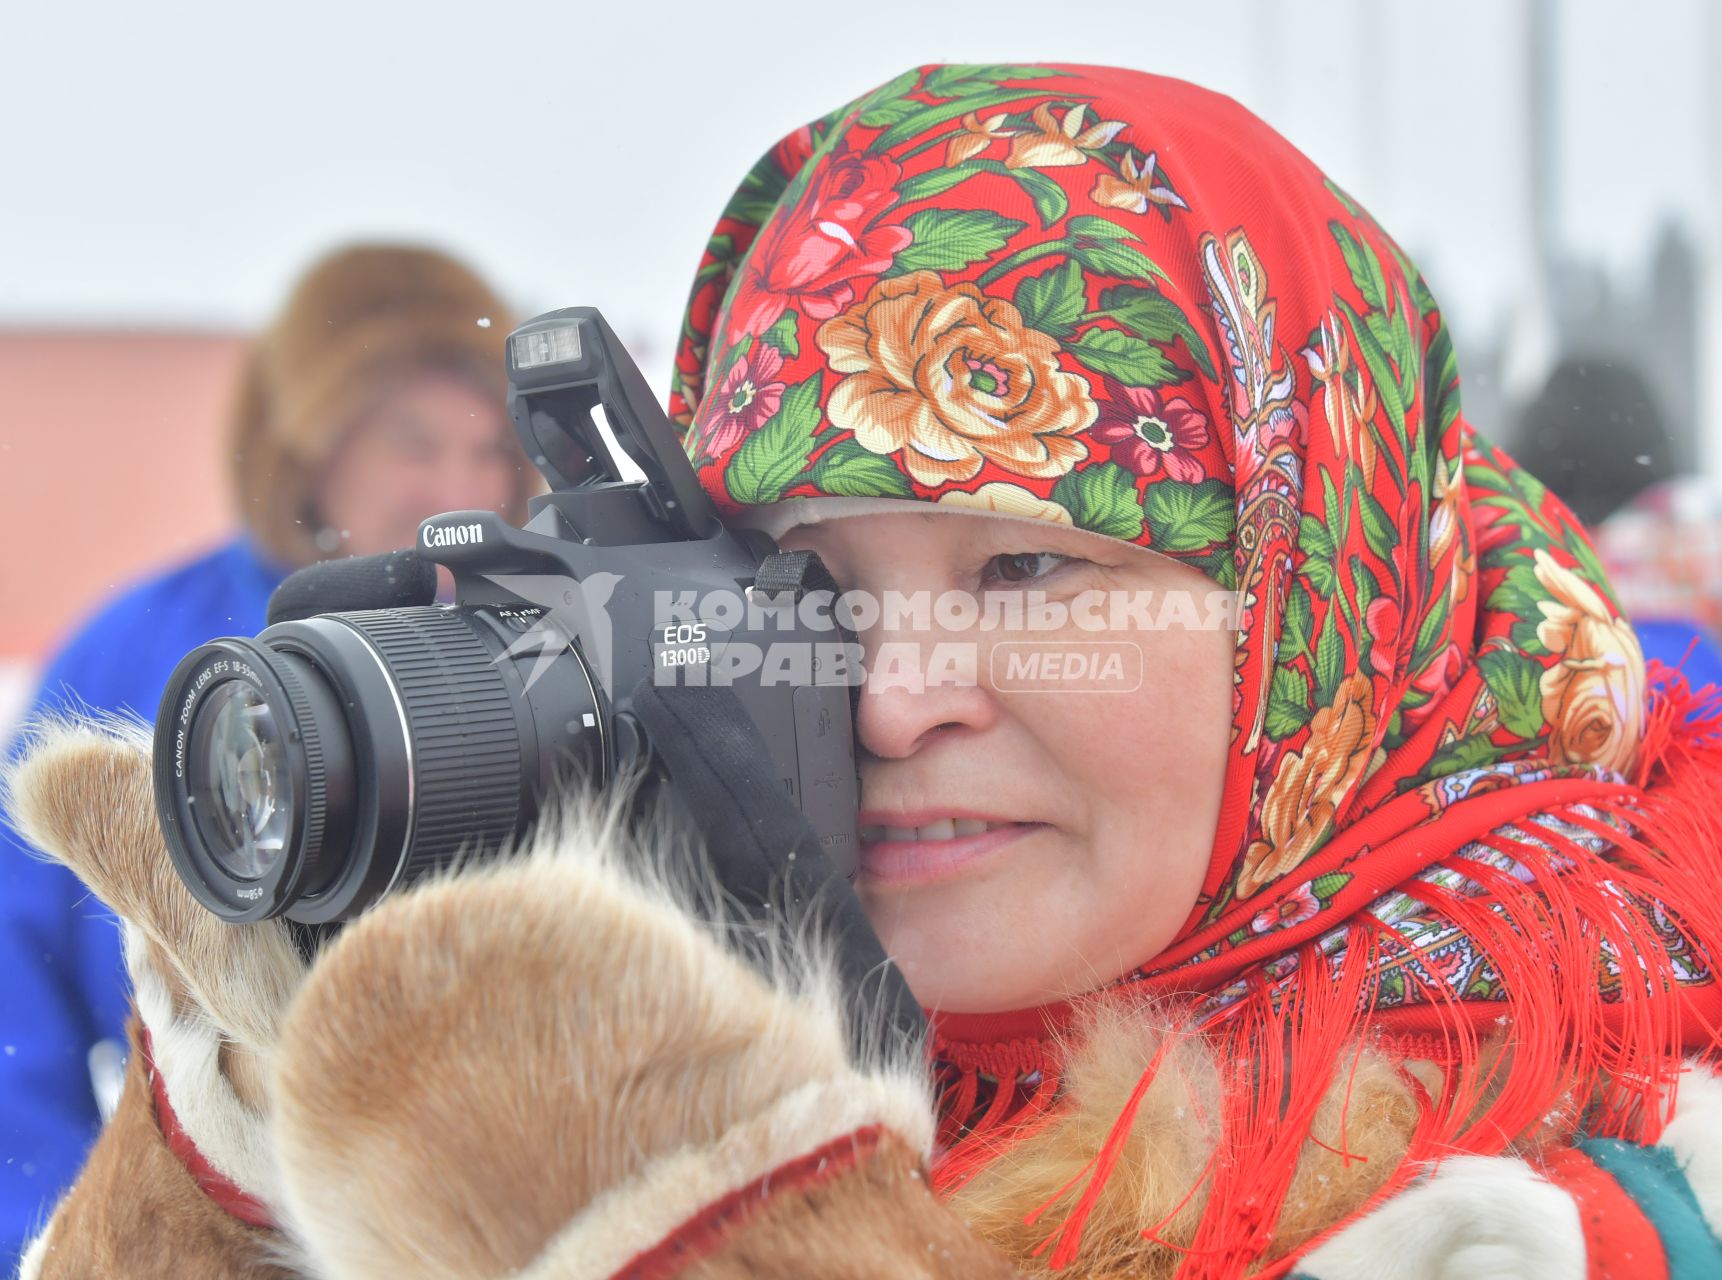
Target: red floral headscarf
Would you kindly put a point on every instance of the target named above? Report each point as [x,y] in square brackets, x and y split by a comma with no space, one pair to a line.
[1118,301]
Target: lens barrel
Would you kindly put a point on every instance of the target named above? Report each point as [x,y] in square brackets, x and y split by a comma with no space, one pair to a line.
[307,772]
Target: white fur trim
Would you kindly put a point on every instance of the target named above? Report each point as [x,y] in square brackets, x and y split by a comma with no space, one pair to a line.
[231,1136]
[780,517]
[1695,1137]
[31,1267]
[1478,1216]
[629,1219]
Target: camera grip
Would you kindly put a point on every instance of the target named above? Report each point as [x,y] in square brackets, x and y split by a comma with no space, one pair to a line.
[762,848]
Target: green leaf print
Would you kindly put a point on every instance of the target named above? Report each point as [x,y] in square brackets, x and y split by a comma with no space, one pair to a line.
[1050,202]
[1433,631]
[1053,302]
[1475,752]
[782,335]
[1132,361]
[1189,517]
[1150,314]
[1299,626]
[1315,540]
[1328,660]
[770,459]
[1289,706]
[928,118]
[851,471]
[1381,372]
[1102,498]
[1325,887]
[964,80]
[1515,680]
[1378,530]
[1364,266]
[951,239]
[1099,244]
[890,102]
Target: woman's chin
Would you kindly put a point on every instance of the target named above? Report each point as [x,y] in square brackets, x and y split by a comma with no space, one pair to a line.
[973,968]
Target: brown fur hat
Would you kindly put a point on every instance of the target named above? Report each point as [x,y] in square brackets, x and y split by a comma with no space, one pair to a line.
[359,317]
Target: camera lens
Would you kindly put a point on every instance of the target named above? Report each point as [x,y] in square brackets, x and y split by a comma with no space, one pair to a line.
[253,777]
[310,771]
[240,791]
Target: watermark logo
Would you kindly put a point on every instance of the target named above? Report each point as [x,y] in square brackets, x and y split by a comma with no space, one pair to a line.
[1113,666]
[575,609]
[1015,641]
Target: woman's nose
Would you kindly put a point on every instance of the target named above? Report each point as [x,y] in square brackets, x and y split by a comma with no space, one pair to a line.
[918,688]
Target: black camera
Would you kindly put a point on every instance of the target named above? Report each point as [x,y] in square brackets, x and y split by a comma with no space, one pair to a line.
[335,757]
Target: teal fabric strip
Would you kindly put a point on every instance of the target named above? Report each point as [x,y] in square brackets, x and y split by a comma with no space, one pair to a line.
[1653,1178]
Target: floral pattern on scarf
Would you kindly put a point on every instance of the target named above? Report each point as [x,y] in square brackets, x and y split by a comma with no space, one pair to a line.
[984,285]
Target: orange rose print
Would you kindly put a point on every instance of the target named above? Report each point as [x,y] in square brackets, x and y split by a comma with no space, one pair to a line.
[951,380]
[1300,805]
[1594,696]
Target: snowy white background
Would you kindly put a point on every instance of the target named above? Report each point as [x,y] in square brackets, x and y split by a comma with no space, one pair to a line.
[177,162]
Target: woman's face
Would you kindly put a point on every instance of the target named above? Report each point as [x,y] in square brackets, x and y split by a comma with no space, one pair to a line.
[433,443]
[1037,805]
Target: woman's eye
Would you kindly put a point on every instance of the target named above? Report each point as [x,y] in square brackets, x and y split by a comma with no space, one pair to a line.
[1024,566]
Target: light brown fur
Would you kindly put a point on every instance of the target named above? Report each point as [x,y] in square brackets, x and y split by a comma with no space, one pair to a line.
[838,1232]
[474,1064]
[1161,1179]
[136,1214]
[528,1066]
[83,793]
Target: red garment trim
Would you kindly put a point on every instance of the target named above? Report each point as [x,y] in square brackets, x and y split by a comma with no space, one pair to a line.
[1620,1243]
[1424,1027]
[227,1194]
[1041,1022]
[700,1235]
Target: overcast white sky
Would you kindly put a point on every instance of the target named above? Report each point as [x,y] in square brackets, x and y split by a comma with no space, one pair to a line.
[177,163]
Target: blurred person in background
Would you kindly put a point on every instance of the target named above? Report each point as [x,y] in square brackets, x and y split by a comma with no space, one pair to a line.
[1664,552]
[374,399]
[1595,435]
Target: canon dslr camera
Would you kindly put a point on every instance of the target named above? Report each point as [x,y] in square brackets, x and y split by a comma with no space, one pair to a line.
[337,756]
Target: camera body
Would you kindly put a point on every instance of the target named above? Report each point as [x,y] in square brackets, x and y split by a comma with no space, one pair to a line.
[309,771]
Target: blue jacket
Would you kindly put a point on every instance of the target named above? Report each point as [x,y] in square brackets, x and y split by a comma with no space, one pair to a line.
[63,990]
[1681,644]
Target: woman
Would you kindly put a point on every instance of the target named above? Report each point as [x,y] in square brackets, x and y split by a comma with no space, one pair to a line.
[1392,853]
[373,400]
[1423,798]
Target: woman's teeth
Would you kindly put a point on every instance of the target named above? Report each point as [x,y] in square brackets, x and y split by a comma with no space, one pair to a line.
[943,829]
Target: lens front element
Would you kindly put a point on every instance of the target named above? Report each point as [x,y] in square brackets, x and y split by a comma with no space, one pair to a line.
[240,792]
[253,777]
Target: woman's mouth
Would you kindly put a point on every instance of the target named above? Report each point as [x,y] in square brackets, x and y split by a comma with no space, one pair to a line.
[898,852]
